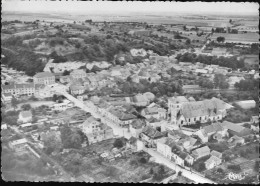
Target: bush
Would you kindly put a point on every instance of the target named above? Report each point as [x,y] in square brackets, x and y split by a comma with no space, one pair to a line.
[142,160]
[235,168]
[118,143]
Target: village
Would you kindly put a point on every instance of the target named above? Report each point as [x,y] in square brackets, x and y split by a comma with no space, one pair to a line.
[182,114]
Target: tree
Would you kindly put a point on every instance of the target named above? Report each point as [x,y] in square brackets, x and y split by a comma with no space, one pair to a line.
[14,102]
[220,39]
[118,143]
[66,73]
[201,166]
[26,107]
[256,167]
[188,42]
[230,21]
[71,138]
[184,27]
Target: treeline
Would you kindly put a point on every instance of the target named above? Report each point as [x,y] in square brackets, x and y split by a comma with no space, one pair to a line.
[230,62]
[24,60]
[248,84]
[157,88]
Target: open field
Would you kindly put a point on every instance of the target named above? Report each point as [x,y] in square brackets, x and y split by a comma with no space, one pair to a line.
[249,37]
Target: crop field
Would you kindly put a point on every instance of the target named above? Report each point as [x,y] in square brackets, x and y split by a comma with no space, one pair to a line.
[249,37]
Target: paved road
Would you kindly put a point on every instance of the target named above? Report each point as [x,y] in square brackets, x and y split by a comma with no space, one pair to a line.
[163,160]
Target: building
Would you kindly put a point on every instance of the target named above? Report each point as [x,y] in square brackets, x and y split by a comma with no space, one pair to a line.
[155,112]
[6,97]
[19,145]
[19,89]
[254,119]
[233,80]
[183,112]
[62,106]
[25,117]
[150,136]
[140,33]
[120,117]
[247,104]
[78,73]
[216,154]
[46,78]
[136,127]
[134,144]
[96,131]
[138,100]
[214,131]
[77,89]
[212,162]
[235,140]
[234,129]
[201,152]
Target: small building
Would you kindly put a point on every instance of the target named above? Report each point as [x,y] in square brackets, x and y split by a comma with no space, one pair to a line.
[212,162]
[234,140]
[78,73]
[219,51]
[136,127]
[216,154]
[234,129]
[19,145]
[150,136]
[254,119]
[247,104]
[77,89]
[134,144]
[62,106]
[6,97]
[3,126]
[25,117]
[201,152]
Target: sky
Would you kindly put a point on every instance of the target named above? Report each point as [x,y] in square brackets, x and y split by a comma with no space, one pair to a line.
[119,6]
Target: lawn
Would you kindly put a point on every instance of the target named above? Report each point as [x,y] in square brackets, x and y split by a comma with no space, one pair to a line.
[249,151]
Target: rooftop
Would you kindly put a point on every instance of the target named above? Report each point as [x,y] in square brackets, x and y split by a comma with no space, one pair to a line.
[44,74]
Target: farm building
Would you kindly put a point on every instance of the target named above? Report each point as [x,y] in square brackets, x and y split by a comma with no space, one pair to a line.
[247,104]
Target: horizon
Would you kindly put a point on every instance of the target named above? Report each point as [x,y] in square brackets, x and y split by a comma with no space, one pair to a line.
[108,7]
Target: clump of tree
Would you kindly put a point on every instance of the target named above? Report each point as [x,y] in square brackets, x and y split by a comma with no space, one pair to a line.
[220,39]
[56,58]
[247,84]
[220,81]
[72,138]
[231,62]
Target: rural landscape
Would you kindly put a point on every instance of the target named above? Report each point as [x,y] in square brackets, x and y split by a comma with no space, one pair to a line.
[131,95]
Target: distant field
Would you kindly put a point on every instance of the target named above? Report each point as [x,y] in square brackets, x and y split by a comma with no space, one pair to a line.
[249,37]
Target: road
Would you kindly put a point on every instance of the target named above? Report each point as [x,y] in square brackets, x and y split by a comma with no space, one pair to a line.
[163,160]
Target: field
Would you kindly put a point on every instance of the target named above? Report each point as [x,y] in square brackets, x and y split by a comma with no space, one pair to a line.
[249,37]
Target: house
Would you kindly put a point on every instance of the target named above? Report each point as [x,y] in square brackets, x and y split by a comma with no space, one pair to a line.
[180,157]
[6,97]
[120,117]
[96,131]
[46,78]
[66,79]
[150,136]
[216,154]
[209,131]
[254,119]
[78,74]
[164,146]
[155,112]
[188,143]
[187,113]
[136,127]
[19,145]
[25,117]
[77,89]
[234,140]
[247,104]
[212,162]
[134,144]
[62,106]
[158,124]
[3,126]
[219,51]
[201,71]
[201,152]
[138,100]
[234,129]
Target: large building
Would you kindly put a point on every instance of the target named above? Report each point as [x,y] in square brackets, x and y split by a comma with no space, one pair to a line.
[184,112]
[45,78]
[19,89]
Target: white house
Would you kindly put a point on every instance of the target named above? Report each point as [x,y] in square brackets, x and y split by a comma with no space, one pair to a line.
[19,145]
